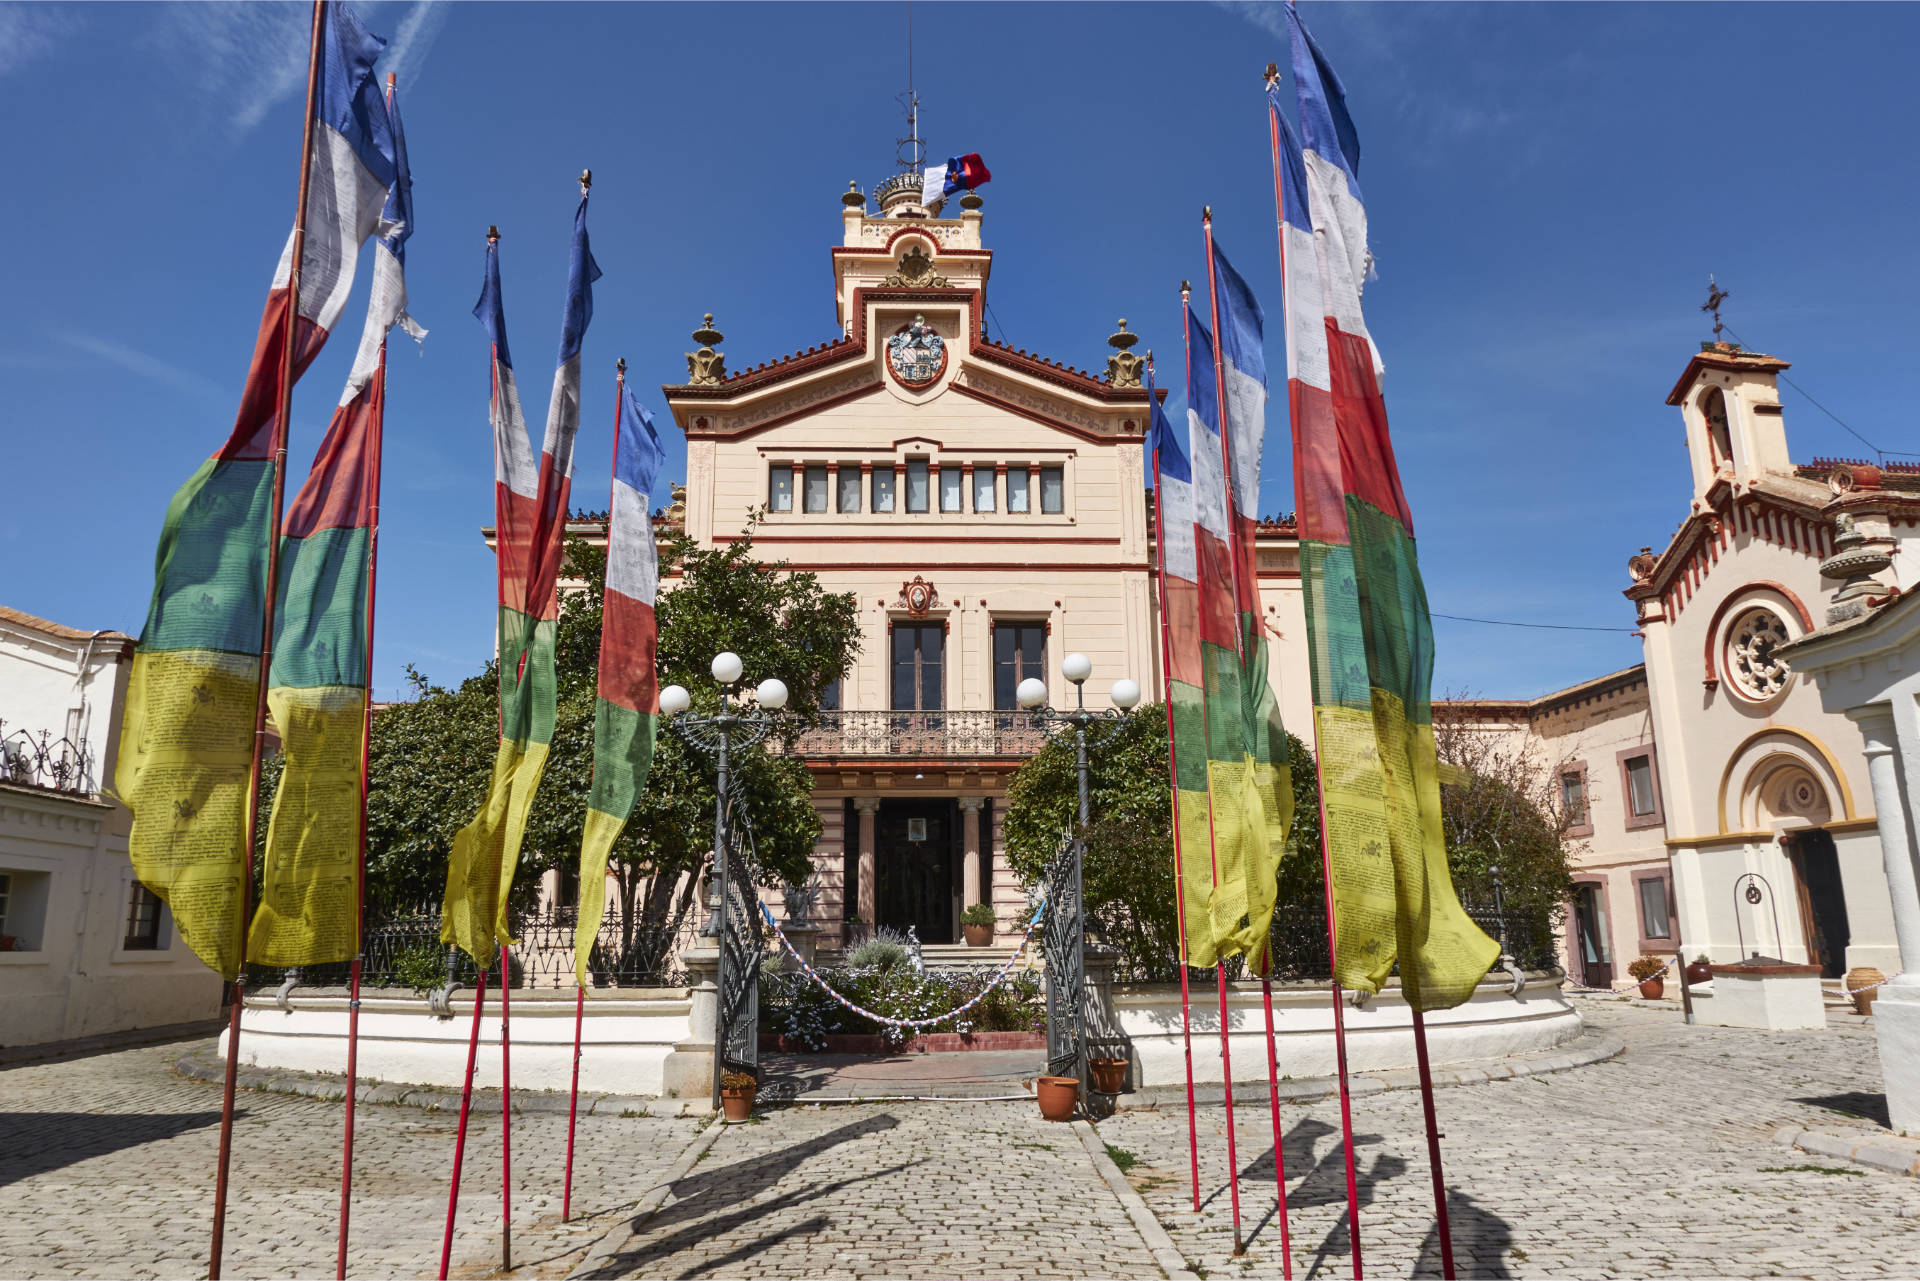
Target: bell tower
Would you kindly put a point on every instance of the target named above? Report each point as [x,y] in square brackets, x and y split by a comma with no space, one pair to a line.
[1729,399]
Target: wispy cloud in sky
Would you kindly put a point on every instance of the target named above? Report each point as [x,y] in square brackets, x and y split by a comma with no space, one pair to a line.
[413,39]
[248,57]
[29,30]
[135,361]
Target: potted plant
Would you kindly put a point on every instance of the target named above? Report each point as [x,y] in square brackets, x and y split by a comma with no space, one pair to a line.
[1647,970]
[1700,969]
[1057,1095]
[1109,1075]
[736,1095]
[977,924]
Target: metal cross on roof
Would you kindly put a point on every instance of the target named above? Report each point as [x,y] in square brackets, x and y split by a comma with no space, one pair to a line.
[1715,296]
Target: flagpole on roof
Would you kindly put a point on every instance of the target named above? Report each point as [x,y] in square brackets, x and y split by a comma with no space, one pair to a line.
[279,453]
[1320,790]
[1173,775]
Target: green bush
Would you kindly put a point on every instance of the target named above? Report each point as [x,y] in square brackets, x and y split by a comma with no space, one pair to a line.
[796,1007]
[979,914]
[886,950]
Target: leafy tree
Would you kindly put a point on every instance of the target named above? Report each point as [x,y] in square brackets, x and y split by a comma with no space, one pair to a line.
[432,757]
[1498,807]
[1128,872]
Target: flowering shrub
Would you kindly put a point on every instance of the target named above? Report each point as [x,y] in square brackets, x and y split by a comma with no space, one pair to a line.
[792,1005]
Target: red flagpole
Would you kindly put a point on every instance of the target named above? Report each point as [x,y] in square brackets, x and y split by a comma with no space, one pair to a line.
[506,1118]
[217,1247]
[1220,968]
[460,1135]
[1173,772]
[1433,1147]
[580,1001]
[573,1103]
[1326,866]
[1236,551]
[360,872]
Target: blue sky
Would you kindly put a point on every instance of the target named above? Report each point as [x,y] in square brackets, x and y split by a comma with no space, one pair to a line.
[1548,188]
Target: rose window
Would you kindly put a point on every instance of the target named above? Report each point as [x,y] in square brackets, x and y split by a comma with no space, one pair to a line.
[1753,654]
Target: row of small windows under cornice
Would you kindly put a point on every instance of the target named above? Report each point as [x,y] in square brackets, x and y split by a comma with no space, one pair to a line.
[917,487]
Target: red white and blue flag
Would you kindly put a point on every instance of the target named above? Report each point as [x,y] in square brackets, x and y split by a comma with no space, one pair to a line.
[960,173]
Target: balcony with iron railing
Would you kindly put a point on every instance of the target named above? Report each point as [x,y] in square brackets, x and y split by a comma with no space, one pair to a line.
[45,762]
[975,735]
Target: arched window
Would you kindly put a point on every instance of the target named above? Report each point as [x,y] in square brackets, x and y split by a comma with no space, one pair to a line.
[1719,435]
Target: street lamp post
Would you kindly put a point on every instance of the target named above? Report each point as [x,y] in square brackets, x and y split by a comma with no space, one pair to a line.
[1064,936]
[735,723]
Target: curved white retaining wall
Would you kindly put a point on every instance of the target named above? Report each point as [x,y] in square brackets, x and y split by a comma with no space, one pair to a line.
[1492,1025]
[625,1038]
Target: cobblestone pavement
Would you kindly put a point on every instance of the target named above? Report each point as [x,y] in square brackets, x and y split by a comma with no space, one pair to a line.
[107,1162]
[908,1190]
[1658,1163]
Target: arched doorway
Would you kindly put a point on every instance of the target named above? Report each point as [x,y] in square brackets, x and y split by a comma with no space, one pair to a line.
[1787,792]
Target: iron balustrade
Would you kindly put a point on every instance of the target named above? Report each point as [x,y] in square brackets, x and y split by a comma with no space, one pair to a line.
[52,764]
[955,735]
[403,949]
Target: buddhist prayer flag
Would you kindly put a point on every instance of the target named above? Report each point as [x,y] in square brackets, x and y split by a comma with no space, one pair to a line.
[625,714]
[1179,575]
[530,505]
[309,911]
[187,738]
[1267,781]
[1370,640]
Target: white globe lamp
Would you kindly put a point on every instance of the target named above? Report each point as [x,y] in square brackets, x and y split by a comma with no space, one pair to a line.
[1077,668]
[772,694]
[1126,695]
[1031,693]
[727,667]
[674,700]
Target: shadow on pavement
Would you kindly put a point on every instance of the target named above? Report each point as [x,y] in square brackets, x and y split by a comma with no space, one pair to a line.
[701,1203]
[1868,1107]
[1480,1241]
[37,1142]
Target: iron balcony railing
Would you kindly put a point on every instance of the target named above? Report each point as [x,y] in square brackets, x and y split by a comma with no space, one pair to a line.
[970,735]
[55,764]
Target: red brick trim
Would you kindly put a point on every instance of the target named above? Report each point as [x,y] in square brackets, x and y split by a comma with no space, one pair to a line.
[1740,595]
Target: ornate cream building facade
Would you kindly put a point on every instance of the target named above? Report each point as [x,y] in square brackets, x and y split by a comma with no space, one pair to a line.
[986,507]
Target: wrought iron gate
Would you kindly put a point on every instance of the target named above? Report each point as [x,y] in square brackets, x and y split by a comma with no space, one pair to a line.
[738,1034]
[1063,943]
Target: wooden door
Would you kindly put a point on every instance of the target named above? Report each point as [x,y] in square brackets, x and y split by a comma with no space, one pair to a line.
[915,861]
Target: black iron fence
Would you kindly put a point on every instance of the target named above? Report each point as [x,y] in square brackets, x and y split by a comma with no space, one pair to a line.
[402,949]
[1298,939]
[53,764]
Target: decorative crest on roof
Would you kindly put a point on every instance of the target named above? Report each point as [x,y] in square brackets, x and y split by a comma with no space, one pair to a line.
[706,366]
[916,272]
[1123,367]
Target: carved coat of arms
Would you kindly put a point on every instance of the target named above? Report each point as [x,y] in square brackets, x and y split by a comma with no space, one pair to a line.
[917,354]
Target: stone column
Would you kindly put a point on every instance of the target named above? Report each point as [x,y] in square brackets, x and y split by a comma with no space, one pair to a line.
[869,808]
[970,807]
[1896,1013]
[687,1073]
[1896,854]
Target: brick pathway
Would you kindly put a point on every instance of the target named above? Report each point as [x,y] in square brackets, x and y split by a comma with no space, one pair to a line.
[1658,1163]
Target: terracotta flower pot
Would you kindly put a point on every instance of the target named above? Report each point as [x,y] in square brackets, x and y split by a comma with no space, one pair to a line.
[1109,1075]
[1653,989]
[1058,1095]
[1863,976]
[978,935]
[738,1105]
[1699,971]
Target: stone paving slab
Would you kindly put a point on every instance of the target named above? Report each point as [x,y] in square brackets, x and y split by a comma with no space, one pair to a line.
[967,1074]
[109,1160]
[888,1190]
[1660,1162]
[1890,1152]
